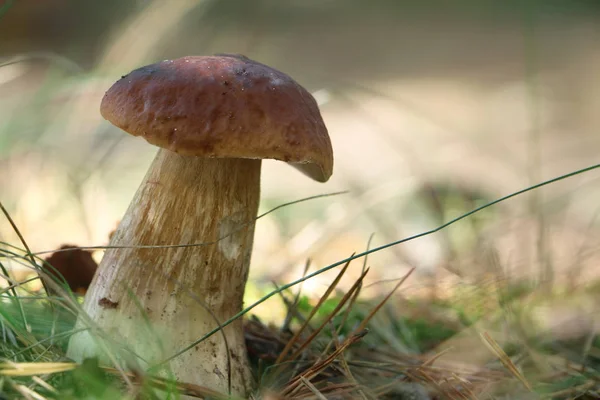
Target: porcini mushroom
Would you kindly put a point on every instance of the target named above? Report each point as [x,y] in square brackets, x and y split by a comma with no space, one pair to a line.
[214,119]
[76,266]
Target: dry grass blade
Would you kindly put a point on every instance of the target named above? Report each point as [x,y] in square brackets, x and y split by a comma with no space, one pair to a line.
[28,252]
[313,371]
[312,388]
[339,389]
[435,357]
[364,323]
[34,368]
[341,304]
[382,390]
[26,392]
[292,309]
[343,362]
[44,384]
[457,393]
[325,296]
[342,323]
[466,387]
[506,361]
[573,392]
[18,232]
[346,314]
[422,375]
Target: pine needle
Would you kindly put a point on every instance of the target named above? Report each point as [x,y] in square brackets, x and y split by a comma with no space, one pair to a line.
[34,368]
[325,296]
[505,359]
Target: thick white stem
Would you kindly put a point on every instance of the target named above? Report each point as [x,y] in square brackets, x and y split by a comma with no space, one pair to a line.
[154,301]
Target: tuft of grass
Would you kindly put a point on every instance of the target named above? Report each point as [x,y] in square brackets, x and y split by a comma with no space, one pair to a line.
[342,347]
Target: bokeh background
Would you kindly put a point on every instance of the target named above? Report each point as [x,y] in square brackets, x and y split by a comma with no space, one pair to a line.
[433,107]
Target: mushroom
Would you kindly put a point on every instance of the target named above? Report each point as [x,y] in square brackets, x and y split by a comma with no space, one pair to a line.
[76,266]
[214,119]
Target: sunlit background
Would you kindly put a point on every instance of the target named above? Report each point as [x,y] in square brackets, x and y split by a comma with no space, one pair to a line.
[434,108]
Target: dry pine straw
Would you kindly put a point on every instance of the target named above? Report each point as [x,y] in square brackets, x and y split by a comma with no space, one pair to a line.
[299,364]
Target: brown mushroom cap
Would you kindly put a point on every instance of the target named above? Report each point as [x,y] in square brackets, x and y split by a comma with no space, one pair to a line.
[224,106]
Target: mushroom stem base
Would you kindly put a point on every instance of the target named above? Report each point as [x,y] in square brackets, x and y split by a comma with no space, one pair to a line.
[156,301]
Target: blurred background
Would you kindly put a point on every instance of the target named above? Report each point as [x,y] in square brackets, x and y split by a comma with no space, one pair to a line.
[433,107]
